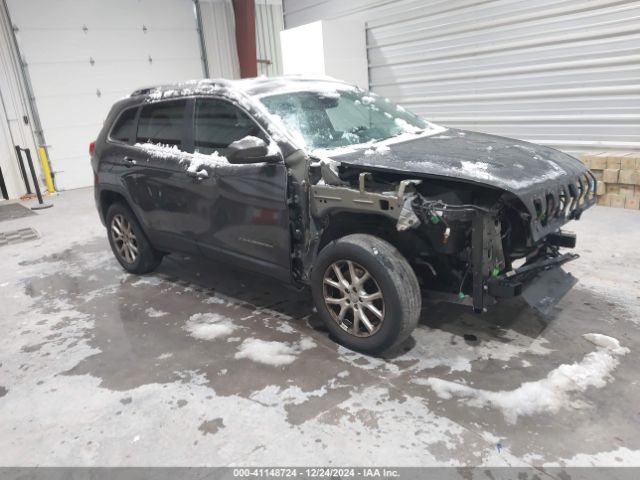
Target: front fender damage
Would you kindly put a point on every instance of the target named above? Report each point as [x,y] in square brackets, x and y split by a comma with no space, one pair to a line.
[396,205]
[486,271]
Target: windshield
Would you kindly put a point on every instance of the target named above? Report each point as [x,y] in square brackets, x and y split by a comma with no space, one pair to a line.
[337,118]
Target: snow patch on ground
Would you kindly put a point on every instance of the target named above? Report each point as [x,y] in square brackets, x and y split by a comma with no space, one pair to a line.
[267,352]
[433,349]
[214,299]
[285,327]
[372,410]
[293,395]
[422,361]
[152,281]
[272,352]
[209,326]
[548,395]
[454,364]
[515,345]
[153,313]
[365,362]
[606,342]
[307,343]
[621,457]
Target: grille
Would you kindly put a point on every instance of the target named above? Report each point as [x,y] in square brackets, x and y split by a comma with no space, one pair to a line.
[562,203]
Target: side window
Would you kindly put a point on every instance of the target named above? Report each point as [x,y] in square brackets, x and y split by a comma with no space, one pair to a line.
[219,123]
[162,123]
[123,129]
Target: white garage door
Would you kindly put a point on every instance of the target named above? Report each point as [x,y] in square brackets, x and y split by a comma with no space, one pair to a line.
[83,55]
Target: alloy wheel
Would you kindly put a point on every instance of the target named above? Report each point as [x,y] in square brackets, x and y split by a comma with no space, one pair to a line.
[124,239]
[353,298]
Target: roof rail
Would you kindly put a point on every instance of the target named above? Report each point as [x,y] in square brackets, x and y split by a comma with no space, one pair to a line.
[180,85]
[142,91]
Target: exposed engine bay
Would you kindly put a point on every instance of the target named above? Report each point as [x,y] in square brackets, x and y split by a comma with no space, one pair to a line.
[473,243]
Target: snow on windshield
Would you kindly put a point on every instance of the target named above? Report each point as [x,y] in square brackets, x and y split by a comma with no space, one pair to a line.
[333,116]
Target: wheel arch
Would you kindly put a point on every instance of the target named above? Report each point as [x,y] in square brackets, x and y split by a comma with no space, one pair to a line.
[109,197]
[342,223]
[338,224]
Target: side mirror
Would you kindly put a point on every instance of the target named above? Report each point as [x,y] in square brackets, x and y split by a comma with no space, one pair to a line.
[251,150]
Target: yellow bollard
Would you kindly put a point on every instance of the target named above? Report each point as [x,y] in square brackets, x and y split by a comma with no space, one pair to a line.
[44,161]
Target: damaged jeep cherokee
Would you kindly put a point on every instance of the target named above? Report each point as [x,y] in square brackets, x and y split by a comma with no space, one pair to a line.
[322,184]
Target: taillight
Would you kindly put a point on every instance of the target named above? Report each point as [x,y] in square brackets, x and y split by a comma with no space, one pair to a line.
[92,147]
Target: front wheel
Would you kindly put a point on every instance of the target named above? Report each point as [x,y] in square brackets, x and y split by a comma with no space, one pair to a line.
[366,293]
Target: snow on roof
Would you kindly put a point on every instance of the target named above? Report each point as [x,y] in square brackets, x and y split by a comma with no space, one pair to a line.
[261,86]
[257,86]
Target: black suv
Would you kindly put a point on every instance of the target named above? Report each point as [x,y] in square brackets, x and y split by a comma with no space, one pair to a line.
[316,182]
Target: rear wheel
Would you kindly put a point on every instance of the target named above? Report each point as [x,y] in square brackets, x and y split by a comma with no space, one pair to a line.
[128,242]
[366,293]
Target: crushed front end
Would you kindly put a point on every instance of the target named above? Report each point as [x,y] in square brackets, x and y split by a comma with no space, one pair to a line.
[513,246]
[474,245]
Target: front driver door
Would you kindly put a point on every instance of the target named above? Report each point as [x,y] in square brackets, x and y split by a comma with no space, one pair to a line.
[245,218]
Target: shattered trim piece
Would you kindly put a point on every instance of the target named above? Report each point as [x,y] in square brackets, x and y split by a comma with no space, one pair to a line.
[407,218]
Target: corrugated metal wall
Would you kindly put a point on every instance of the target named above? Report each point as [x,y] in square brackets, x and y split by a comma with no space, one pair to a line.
[560,73]
[268,26]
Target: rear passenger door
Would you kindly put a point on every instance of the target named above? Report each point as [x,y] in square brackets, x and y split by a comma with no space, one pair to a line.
[158,185]
[112,165]
[245,216]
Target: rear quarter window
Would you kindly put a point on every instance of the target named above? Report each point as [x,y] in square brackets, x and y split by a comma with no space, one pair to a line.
[123,129]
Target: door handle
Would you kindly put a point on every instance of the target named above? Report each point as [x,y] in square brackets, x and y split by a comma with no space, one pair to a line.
[129,162]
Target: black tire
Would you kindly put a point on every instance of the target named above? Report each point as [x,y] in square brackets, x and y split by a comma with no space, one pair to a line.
[147,258]
[392,274]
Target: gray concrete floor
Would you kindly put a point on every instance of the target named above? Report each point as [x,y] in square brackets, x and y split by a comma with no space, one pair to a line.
[198,364]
